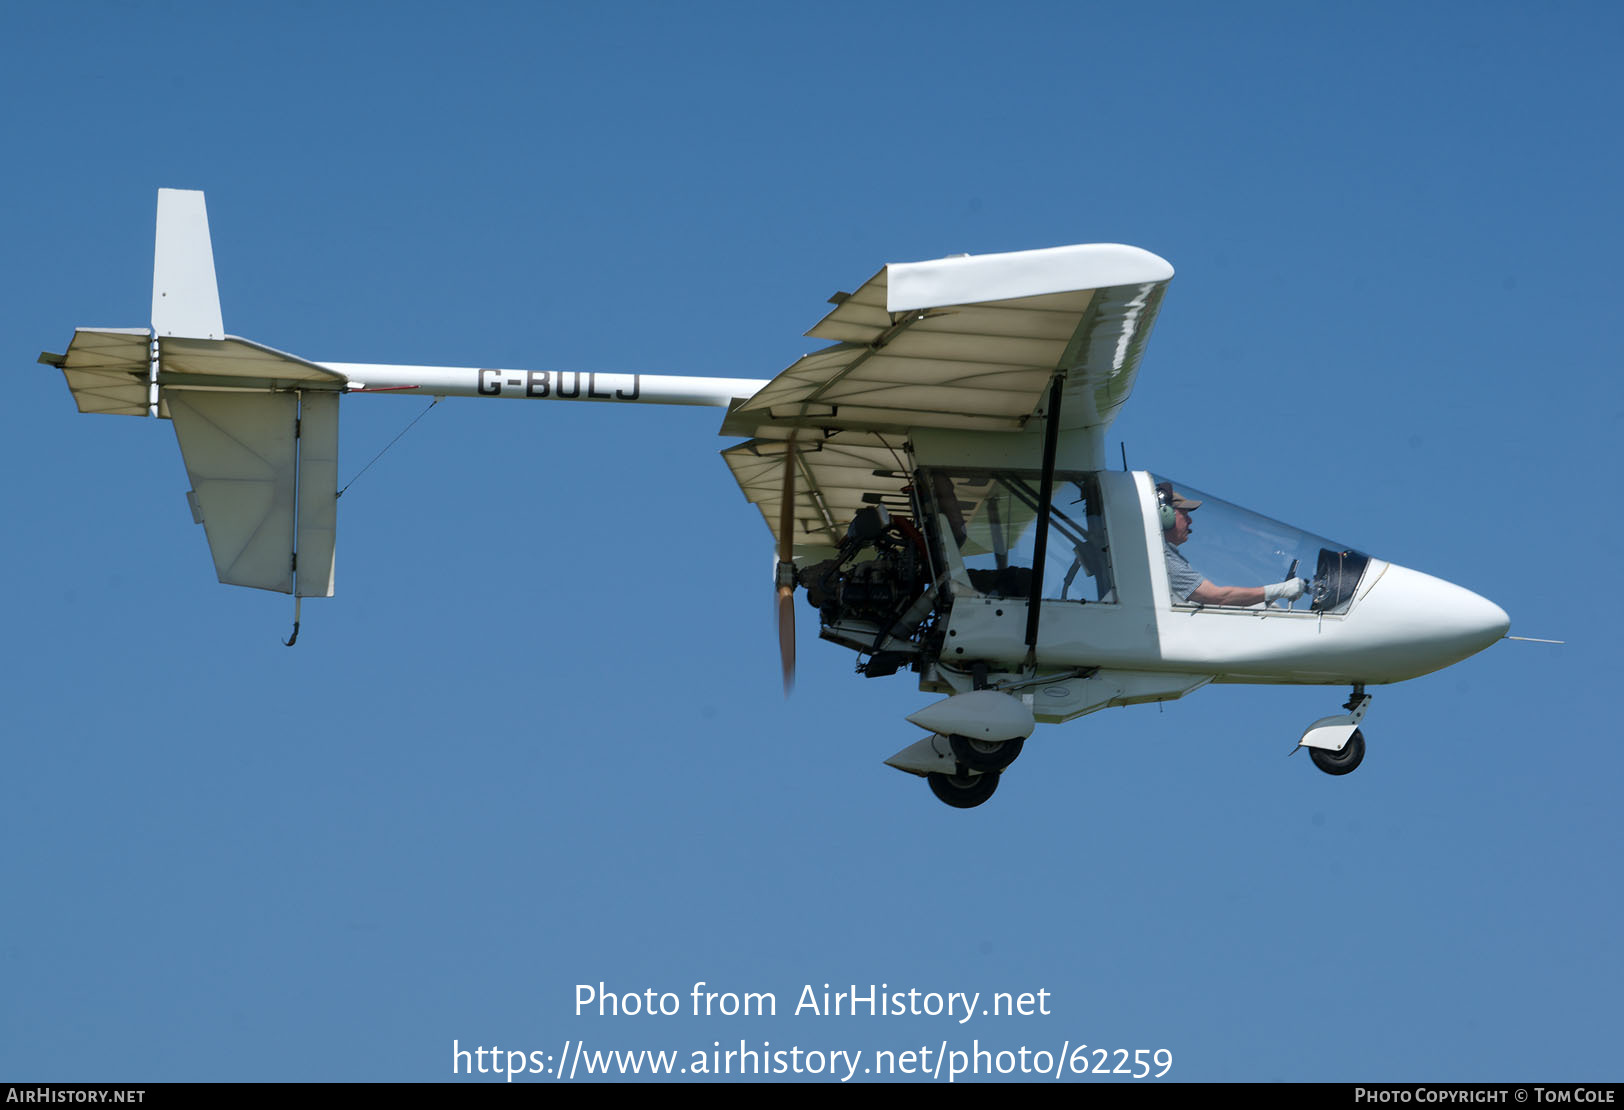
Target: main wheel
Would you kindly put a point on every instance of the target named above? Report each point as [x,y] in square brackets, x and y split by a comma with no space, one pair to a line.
[985,755]
[963,791]
[1340,763]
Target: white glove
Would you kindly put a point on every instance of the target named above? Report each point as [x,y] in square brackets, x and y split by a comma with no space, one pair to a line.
[1291,589]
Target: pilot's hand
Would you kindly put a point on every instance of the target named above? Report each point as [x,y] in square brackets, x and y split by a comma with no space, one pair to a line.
[1291,589]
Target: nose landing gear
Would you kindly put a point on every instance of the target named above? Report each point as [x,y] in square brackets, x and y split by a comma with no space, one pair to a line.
[1336,744]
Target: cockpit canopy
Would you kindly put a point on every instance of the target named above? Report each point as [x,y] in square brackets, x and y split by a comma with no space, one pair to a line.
[988,518]
[1231,546]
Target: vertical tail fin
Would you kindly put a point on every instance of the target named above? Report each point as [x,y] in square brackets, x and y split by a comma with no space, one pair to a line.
[185,298]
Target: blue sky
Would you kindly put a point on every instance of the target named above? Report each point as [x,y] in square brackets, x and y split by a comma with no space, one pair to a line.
[537,740]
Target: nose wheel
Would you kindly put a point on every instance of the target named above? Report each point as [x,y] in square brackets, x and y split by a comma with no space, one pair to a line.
[1323,735]
[1344,761]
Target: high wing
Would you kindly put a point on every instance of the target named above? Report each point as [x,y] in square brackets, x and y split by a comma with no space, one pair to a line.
[968,344]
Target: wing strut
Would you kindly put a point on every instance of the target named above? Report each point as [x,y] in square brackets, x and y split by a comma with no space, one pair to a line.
[1040,547]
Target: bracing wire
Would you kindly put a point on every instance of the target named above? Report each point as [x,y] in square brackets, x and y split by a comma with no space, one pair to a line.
[388,445]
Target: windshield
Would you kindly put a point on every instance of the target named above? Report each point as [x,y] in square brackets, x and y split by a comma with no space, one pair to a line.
[1221,554]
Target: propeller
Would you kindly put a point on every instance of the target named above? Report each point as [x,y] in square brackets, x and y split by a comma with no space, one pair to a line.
[785,571]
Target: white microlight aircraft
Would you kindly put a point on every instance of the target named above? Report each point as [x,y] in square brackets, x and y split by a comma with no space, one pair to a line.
[935,481]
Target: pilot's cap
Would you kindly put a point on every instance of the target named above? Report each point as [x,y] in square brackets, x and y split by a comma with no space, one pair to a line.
[1177,501]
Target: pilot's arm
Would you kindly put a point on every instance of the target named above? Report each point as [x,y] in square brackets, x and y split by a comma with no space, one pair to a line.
[1208,594]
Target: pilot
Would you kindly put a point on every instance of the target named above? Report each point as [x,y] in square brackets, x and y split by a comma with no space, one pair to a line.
[1186,582]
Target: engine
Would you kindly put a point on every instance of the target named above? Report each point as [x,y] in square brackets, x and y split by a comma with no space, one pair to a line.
[878,578]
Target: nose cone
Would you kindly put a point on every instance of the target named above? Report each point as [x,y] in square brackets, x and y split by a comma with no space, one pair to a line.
[1426,623]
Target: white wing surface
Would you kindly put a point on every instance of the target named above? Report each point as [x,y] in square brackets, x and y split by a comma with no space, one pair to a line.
[970,344]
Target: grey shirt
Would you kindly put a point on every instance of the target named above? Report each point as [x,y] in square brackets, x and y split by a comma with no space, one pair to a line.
[1182,578]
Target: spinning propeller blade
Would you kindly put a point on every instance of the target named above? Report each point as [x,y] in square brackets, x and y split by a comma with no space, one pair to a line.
[786,556]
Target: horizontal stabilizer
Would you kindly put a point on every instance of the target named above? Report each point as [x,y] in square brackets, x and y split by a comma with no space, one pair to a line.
[263,483]
[318,493]
[108,369]
[239,363]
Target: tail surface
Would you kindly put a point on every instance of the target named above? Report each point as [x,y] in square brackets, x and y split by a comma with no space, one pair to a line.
[258,428]
[185,297]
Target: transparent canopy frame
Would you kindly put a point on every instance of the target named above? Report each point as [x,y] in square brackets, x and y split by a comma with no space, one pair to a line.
[1228,545]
